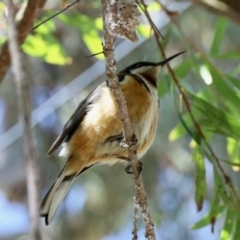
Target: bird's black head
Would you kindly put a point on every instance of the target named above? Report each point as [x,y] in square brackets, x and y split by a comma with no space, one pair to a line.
[148,70]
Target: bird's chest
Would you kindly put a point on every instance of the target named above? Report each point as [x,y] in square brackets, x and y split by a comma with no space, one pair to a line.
[146,128]
[143,111]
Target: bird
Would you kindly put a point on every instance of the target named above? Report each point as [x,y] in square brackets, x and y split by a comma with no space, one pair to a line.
[93,134]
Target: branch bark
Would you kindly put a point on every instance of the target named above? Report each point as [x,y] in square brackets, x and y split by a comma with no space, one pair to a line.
[141,197]
[24,109]
[23,28]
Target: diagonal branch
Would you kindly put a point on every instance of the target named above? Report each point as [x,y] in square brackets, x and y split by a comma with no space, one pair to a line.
[141,197]
[23,28]
[25,113]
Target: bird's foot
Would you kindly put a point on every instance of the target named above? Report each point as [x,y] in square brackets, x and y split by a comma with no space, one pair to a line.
[129,169]
[133,142]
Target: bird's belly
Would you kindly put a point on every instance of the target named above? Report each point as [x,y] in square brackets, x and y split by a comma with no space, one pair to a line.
[90,144]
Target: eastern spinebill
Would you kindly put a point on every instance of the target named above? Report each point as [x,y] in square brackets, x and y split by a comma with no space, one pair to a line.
[94,135]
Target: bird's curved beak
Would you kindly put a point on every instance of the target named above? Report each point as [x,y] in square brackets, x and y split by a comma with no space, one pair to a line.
[169,59]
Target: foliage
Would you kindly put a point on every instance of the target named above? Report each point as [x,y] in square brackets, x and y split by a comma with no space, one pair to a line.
[215,106]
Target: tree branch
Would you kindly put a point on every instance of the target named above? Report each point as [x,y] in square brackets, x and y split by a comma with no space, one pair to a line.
[25,112]
[141,197]
[135,221]
[23,28]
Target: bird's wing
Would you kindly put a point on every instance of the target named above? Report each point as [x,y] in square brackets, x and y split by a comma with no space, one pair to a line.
[76,119]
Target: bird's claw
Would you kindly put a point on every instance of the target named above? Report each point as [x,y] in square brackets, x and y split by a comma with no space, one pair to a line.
[129,169]
[133,142]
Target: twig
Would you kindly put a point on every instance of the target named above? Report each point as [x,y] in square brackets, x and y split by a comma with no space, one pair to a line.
[25,112]
[135,221]
[185,100]
[23,28]
[54,15]
[94,54]
[149,19]
[141,197]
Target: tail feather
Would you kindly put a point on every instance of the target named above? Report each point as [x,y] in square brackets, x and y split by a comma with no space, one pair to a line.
[57,192]
[55,196]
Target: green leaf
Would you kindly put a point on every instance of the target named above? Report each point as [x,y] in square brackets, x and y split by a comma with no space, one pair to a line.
[229,55]
[35,46]
[144,30]
[221,27]
[200,180]
[214,119]
[236,233]
[45,28]
[183,68]
[233,151]
[89,28]
[221,187]
[93,42]
[55,55]
[180,129]
[45,47]
[223,87]
[206,220]
[230,163]
[98,23]
[234,81]
[153,7]
[228,225]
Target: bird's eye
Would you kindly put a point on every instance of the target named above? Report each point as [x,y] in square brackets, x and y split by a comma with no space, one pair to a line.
[138,65]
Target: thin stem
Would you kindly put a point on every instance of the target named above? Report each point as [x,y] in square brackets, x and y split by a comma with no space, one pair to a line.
[54,15]
[135,221]
[25,112]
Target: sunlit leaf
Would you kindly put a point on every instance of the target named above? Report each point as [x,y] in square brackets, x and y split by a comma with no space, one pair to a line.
[89,30]
[94,42]
[228,225]
[153,7]
[55,55]
[45,47]
[98,23]
[233,152]
[45,28]
[223,87]
[144,30]
[35,46]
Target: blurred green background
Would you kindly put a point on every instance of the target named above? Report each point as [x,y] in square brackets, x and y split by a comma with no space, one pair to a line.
[100,203]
